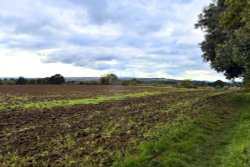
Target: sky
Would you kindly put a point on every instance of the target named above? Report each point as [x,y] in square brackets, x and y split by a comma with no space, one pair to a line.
[89,38]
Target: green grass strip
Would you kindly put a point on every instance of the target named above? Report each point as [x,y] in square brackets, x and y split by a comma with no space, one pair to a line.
[96,100]
[214,138]
[237,151]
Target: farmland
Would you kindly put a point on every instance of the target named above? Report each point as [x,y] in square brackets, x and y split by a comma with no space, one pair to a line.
[73,125]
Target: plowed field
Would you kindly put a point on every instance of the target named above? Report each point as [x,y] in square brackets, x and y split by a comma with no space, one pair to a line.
[86,125]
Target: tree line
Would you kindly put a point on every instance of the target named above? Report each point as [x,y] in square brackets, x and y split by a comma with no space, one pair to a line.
[56,79]
[111,79]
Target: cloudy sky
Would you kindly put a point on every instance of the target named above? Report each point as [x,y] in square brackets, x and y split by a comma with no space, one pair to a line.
[131,38]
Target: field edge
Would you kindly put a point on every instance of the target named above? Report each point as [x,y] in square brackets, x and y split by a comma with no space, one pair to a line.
[219,136]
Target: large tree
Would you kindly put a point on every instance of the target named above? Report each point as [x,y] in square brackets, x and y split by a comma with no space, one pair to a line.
[109,79]
[57,79]
[21,81]
[227,38]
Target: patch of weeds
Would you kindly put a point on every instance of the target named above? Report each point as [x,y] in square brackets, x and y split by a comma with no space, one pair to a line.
[112,127]
[68,160]
[7,132]
[13,158]
[96,100]
[99,149]
[188,103]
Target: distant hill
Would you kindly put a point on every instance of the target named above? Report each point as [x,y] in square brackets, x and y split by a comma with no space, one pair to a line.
[79,79]
[144,80]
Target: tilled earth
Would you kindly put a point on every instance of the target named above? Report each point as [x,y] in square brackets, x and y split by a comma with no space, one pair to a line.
[87,134]
[45,92]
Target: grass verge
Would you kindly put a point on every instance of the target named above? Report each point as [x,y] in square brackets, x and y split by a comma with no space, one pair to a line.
[218,136]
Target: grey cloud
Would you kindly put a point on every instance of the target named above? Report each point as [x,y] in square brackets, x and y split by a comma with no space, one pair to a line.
[106,34]
[105,58]
[97,9]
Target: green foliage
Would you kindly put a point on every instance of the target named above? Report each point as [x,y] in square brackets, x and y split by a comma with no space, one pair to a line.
[43,80]
[109,79]
[218,83]
[226,44]
[88,83]
[235,19]
[202,84]
[187,84]
[57,79]
[234,14]
[8,82]
[131,82]
[21,81]
[247,87]
[32,82]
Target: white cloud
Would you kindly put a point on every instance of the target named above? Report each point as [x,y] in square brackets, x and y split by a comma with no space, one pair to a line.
[146,38]
[28,64]
[207,75]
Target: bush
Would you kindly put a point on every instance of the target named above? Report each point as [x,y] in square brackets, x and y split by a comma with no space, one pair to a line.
[218,84]
[43,80]
[88,83]
[202,84]
[32,82]
[187,84]
[8,82]
[57,79]
[21,81]
[126,83]
[131,82]
[109,79]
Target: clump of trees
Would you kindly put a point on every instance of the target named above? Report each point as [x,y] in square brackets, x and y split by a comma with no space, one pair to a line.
[55,79]
[21,81]
[131,82]
[227,40]
[87,83]
[202,84]
[112,79]
[10,81]
[109,79]
[187,83]
[218,84]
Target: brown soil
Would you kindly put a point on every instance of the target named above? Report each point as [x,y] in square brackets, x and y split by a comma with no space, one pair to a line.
[40,92]
[97,130]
